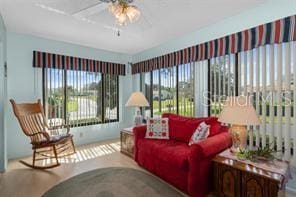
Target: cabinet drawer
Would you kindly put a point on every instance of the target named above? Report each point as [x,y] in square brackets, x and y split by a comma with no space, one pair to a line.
[228,184]
[254,185]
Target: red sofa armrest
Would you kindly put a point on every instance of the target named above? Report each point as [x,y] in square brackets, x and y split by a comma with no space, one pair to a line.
[200,164]
[211,146]
[139,133]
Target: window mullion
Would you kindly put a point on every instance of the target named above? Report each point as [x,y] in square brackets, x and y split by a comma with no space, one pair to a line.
[177,87]
[44,88]
[151,94]
[159,89]
[117,94]
[103,98]
[236,76]
[65,96]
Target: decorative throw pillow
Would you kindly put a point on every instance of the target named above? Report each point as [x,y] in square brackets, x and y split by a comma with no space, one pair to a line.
[157,128]
[201,133]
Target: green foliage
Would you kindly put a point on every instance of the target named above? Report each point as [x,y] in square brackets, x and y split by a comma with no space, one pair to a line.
[266,153]
[185,106]
[55,99]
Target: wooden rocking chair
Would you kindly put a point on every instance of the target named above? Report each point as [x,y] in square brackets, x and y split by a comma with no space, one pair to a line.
[47,143]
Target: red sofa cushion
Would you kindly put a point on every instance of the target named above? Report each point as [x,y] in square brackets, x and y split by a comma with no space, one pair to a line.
[181,128]
[167,151]
[166,171]
[216,127]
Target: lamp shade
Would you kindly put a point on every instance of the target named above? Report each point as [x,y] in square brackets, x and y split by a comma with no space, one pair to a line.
[137,99]
[239,111]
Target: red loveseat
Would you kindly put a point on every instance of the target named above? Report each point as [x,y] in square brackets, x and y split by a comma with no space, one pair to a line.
[186,167]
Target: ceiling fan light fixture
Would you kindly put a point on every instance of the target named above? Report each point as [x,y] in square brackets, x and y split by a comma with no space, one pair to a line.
[123,12]
[121,19]
[115,9]
[133,13]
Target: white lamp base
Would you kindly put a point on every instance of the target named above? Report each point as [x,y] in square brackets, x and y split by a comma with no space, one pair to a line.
[138,119]
[239,138]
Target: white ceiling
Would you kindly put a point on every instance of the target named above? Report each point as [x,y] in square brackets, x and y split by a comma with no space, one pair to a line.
[161,20]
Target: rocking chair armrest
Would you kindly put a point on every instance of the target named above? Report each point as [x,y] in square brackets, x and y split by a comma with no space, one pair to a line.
[45,134]
[59,127]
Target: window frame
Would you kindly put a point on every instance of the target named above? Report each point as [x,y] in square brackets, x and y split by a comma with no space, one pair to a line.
[102,102]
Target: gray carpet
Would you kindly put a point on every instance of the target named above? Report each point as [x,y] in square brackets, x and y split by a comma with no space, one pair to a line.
[113,182]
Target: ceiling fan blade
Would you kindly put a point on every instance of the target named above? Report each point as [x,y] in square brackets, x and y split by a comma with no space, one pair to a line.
[93,9]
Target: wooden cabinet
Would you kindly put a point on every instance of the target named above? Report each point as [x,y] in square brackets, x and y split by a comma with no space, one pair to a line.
[127,142]
[234,178]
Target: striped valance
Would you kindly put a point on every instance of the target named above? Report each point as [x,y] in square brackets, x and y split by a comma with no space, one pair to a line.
[49,60]
[283,30]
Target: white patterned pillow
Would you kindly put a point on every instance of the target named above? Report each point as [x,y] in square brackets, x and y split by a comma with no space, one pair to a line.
[157,128]
[201,133]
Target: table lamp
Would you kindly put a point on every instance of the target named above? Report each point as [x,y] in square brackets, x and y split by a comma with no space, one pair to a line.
[239,113]
[138,100]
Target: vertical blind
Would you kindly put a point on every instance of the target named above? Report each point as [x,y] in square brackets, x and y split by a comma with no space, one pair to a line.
[146,85]
[186,89]
[200,90]
[111,97]
[267,74]
[222,81]
[167,90]
[164,94]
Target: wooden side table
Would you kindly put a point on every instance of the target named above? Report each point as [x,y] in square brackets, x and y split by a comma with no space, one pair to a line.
[127,142]
[234,178]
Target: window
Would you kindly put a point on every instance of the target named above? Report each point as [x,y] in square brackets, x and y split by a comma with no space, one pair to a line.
[162,96]
[80,98]
[170,90]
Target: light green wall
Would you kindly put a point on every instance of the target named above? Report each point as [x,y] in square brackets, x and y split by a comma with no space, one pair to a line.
[24,85]
[3,159]
[264,13]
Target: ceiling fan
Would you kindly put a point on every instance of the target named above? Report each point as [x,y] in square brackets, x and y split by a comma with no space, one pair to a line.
[124,11]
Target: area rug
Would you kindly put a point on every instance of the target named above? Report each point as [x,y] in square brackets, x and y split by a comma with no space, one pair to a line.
[113,182]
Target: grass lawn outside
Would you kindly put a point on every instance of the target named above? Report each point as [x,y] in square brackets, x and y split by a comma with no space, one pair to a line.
[72,106]
[186,106]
